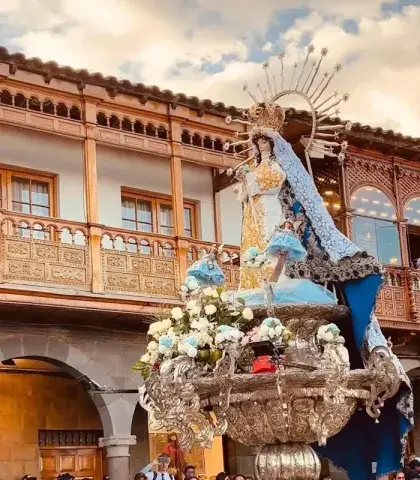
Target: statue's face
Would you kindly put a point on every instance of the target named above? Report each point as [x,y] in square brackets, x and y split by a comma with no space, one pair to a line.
[264,145]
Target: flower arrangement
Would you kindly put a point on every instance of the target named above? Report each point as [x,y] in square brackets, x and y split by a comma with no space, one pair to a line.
[254,258]
[328,333]
[202,329]
[270,329]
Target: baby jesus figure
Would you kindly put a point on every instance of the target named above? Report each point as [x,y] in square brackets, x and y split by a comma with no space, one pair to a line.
[285,246]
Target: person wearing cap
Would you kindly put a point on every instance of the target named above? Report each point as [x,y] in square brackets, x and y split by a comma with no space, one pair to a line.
[162,472]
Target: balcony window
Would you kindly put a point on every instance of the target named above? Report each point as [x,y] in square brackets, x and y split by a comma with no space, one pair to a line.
[30,196]
[412,214]
[154,214]
[374,228]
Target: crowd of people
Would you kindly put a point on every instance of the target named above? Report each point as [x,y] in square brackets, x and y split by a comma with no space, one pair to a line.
[411,470]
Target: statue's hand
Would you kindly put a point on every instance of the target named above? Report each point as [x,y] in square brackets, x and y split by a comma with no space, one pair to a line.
[241,193]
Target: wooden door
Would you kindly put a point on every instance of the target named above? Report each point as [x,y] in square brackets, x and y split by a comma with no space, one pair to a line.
[81,462]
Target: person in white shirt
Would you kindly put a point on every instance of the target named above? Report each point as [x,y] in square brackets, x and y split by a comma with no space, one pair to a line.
[162,471]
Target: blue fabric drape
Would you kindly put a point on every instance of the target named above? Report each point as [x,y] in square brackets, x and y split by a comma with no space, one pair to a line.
[363,442]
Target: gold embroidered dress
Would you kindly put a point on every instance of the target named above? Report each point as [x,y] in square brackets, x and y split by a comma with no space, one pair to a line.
[262,213]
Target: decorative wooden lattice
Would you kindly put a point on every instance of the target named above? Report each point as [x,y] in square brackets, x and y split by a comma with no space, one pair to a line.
[363,171]
[69,438]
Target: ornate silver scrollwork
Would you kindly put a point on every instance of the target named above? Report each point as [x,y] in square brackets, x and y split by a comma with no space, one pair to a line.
[170,399]
[386,380]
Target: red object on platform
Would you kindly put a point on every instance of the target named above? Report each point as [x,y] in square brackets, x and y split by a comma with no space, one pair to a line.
[263,365]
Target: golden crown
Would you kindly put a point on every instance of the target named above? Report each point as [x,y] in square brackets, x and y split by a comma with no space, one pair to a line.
[267,115]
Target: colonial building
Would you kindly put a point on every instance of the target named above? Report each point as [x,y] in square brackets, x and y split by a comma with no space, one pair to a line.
[108,191]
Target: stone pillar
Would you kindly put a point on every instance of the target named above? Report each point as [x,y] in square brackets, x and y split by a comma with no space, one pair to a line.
[116,411]
[118,455]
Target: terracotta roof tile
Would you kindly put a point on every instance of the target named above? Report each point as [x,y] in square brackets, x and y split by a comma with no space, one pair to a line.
[153,92]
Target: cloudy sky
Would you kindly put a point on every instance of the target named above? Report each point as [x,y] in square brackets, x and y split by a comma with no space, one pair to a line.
[209,48]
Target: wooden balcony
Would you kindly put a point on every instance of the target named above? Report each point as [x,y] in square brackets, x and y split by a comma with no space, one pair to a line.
[52,255]
[41,252]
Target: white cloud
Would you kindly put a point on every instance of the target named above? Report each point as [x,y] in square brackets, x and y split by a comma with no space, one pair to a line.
[162,43]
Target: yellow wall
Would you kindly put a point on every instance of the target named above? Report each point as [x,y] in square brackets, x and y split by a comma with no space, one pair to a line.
[29,402]
[213,458]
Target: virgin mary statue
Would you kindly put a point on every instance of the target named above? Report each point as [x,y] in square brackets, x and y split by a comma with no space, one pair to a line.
[290,240]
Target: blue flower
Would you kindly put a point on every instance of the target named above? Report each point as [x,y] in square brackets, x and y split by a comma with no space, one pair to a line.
[224,329]
[269,321]
[332,327]
[191,341]
[165,341]
[253,251]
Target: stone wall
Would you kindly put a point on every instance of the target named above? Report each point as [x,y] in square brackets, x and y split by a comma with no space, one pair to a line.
[29,402]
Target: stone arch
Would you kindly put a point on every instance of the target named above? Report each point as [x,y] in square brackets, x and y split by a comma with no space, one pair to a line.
[52,350]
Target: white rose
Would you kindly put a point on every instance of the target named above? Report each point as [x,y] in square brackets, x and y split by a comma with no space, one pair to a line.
[191,304]
[162,327]
[167,323]
[279,329]
[152,346]
[162,349]
[177,313]
[204,323]
[145,358]
[210,309]
[208,292]
[246,257]
[236,334]
[264,329]
[195,311]
[153,328]
[235,313]
[256,264]
[247,313]
[195,324]
[261,258]
[322,330]
[191,351]
[171,332]
[219,338]
[328,336]
[184,289]
[215,294]
[224,297]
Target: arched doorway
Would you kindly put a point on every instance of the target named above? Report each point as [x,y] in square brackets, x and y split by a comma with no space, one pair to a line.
[49,421]
[139,453]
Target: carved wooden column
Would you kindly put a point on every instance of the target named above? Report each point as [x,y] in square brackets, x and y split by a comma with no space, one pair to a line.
[91,195]
[217,213]
[178,194]
[401,221]
[410,296]
[346,213]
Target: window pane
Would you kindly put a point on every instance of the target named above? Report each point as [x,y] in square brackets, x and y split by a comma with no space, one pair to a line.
[21,207]
[412,211]
[166,220]
[129,225]
[145,227]
[43,211]
[188,221]
[40,193]
[128,208]
[144,211]
[364,235]
[379,238]
[20,190]
[371,202]
[388,243]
